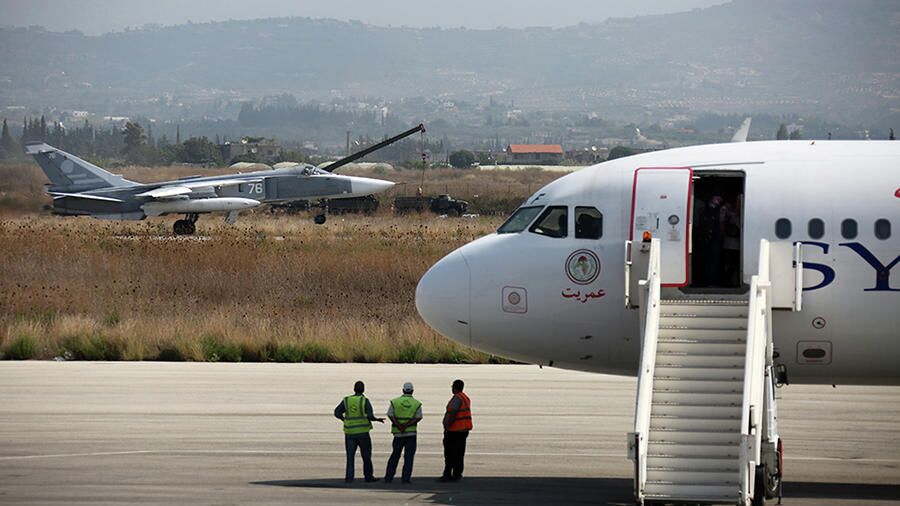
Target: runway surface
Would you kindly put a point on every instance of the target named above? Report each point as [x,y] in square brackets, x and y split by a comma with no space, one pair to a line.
[198,433]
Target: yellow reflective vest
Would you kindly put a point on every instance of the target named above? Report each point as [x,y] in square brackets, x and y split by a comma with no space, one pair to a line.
[405,408]
[356,420]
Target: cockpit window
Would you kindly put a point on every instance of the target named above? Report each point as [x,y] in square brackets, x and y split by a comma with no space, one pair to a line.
[588,223]
[519,220]
[553,222]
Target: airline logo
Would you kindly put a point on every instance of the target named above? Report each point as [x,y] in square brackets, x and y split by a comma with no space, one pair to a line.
[583,267]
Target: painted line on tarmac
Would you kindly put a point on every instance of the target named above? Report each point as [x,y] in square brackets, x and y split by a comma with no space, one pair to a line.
[429,453]
[63,455]
[284,452]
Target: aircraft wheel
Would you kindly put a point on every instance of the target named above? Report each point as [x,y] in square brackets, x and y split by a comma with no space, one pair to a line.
[180,227]
[319,219]
[766,486]
[190,228]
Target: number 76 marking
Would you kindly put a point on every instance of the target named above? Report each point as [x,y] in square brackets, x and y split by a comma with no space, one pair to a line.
[255,187]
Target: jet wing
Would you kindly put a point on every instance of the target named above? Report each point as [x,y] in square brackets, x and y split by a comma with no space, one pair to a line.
[186,187]
[59,195]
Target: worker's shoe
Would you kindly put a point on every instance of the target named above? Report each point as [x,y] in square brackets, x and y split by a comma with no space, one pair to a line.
[445,479]
[371,479]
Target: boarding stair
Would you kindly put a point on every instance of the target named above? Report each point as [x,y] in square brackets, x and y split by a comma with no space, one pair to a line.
[705,427]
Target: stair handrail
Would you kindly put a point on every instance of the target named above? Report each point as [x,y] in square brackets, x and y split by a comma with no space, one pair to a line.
[759,339]
[650,295]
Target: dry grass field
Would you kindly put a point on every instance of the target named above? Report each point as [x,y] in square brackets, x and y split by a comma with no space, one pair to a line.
[270,288]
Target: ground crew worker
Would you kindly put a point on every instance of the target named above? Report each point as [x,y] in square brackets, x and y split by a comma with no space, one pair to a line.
[356,412]
[405,412]
[457,424]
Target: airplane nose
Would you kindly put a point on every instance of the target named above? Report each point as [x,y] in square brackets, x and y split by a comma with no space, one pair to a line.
[368,186]
[442,297]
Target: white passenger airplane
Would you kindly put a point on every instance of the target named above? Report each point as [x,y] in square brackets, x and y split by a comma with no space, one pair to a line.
[550,288]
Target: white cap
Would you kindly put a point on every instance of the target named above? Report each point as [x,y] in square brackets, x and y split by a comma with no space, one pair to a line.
[408,387]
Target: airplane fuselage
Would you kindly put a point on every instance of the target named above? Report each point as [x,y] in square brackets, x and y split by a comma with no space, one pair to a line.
[521,294]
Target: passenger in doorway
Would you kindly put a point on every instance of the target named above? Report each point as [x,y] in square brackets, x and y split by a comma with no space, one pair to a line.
[457,424]
[731,245]
[356,412]
[712,226]
[405,412]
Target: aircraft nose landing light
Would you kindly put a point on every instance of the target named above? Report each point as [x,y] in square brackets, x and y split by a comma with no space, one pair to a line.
[442,297]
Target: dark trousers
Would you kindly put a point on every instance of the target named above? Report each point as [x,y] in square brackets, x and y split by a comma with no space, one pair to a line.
[454,453]
[407,445]
[364,442]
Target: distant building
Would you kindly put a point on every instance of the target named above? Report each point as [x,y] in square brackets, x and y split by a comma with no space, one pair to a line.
[255,148]
[538,154]
[587,156]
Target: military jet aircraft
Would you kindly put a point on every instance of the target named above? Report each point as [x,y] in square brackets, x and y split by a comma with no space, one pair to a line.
[80,188]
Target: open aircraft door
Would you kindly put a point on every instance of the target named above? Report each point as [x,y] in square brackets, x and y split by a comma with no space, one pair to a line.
[661,205]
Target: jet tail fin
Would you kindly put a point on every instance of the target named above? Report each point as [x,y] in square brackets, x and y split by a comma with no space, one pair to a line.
[741,134]
[68,173]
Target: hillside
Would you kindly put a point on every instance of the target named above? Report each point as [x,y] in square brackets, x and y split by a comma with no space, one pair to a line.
[836,58]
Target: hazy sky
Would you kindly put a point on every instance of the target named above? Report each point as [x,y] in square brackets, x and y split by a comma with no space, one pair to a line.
[100,16]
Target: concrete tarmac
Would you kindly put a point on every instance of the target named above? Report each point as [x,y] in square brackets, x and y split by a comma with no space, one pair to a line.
[198,433]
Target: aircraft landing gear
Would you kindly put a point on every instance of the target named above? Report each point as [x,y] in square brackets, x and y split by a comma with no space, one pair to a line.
[319,219]
[768,483]
[187,225]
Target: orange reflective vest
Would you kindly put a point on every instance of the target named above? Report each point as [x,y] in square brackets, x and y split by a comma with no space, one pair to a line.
[463,419]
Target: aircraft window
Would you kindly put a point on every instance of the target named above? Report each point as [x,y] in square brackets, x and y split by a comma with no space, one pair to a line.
[848,229]
[588,223]
[783,228]
[882,229]
[519,220]
[816,228]
[553,222]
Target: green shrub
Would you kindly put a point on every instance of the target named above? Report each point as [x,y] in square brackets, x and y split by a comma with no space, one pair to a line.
[411,353]
[290,353]
[215,349]
[23,348]
[316,352]
[93,347]
[170,353]
[255,352]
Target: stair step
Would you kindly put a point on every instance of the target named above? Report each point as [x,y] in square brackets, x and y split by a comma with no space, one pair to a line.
[696,450]
[696,410]
[717,334]
[726,437]
[700,423]
[736,312]
[663,371]
[725,347]
[679,385]
[697,463]
[695,398]
[692,476]
[694,360]
[705,302]
[663,491]
[700,322]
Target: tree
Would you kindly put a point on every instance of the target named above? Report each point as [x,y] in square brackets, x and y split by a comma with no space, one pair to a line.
[795,135]
[462,159]
[782,134]
[8,147]
[621,152]
[199,150]
[134,142]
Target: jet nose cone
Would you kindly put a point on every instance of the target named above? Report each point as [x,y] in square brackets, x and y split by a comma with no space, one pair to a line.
[368,186]
[442,297]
